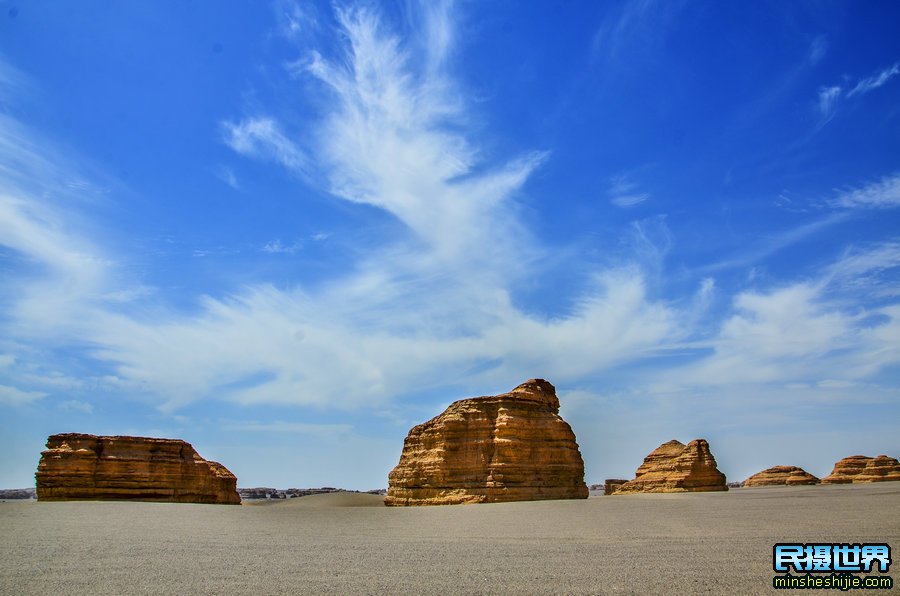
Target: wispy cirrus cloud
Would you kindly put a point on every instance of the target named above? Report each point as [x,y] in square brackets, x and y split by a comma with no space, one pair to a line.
[828,100]
[11,396]
[280,426]
[805,331]
[831,96]
[436,304]
[262,137]
[817,50]
[874,82]
[433,305]
[624,192]
[773,243]
[295,20]
[638,22]
[881,194]
[277,247]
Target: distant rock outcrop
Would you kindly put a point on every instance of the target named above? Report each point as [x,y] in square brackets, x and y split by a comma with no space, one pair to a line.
[859,468]
[509,447]
[16,494]
[781,476]
[674,467]
[87,467]
[611,484]
[260,493]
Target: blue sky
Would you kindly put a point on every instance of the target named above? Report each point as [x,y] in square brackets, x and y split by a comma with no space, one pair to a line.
[289,231]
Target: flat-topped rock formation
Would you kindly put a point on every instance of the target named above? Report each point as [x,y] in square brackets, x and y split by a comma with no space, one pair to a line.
[859,468]
[87,467]
[674,467]
[781,476]
[509,447]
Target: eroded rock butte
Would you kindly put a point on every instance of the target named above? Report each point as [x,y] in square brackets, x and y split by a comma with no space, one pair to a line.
[508,447]
[859,468]
[674,467]
[87,467]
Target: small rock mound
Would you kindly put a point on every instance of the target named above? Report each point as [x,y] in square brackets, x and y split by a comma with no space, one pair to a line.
[859,468]
[781,476]
[674,467]
[508,447]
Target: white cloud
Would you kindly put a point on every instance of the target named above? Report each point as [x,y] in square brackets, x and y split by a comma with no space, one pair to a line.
[884,193]
[319,430]
[12,396]
[277,247]
[629,200]
[643,23]
[872,83]
[434,306]
[73,405]
[861,271]
[817,50]
[828,98]
[295,20]
[772,244]
[227,176]
[262,137]
[623,192]
[802,333]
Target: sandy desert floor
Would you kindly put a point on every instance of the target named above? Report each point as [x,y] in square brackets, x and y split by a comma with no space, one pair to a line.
[351,544]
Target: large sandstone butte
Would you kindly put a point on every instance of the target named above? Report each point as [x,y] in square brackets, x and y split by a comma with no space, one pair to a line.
[674,467]
[781,476]
[86,467]
[509,447]
[859,468]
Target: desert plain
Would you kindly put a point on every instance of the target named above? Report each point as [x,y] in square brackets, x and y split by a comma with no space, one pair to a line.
[348,543]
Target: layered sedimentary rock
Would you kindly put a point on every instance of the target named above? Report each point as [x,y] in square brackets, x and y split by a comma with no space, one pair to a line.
[611,484]
[509,447]
[781,476]
[859,468]
[674,467]
[87,467]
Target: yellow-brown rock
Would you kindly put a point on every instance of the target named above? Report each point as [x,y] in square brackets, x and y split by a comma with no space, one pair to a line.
[674,467]
[781,476]
[509,447]
[611,484]
[87,467]
[859,468]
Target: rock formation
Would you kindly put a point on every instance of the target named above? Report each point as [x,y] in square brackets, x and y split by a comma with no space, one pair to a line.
[611,484]
[86,467]
[859,468]
[509,447]
[674,468]
[781,476]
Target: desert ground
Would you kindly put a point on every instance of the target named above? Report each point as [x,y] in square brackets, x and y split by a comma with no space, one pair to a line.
[349,543]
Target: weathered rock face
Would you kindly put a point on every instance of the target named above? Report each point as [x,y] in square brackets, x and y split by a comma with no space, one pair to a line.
[509,447]
[781,476]
[859,468]
[86,467]
[674,467]
[611,484]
